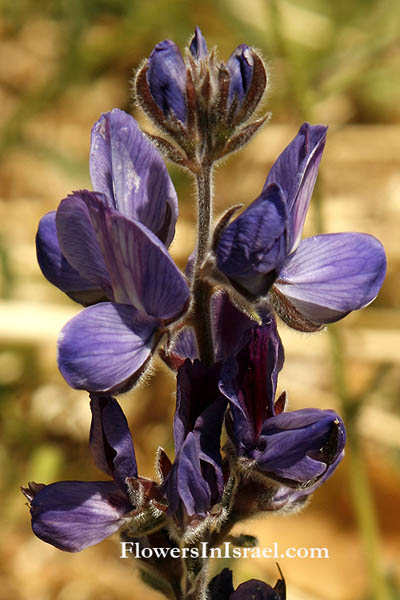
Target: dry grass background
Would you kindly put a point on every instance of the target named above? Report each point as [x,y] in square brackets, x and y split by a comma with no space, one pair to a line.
[61,65]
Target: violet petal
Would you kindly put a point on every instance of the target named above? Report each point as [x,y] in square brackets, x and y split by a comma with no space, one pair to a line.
[330,275]
[146,273]
[289,497]
[296,170]
[78,240]
[292,445]
[192,488]
[200,408]
[252,249]
[183,345]
[55,266]
[103,347]
[72,515]
[128,168]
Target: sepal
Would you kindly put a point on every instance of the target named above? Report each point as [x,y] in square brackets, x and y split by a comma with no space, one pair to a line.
[149,514]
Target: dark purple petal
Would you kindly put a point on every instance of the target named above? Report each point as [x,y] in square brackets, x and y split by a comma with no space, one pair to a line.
[221,586]
[198,46]
[254,589]
[105,347]
[197,390]
[296,170]
[330,275]
[78,240]
[253,248]
[300,445]
[110,440]
[128,169]
[72,515]
[167,78]
[249,381]
[230,326]
[143,273]
[57,269]
[240,67]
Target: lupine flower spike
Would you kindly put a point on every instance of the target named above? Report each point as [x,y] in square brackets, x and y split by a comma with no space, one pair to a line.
[238,450]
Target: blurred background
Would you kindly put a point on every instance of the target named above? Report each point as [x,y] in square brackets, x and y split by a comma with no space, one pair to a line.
[63,63]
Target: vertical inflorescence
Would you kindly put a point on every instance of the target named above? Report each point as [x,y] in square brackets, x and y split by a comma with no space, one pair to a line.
[213,325]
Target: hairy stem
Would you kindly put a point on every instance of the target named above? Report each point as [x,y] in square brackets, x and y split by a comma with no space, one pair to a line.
[199,591]
[204,198]
[201,289]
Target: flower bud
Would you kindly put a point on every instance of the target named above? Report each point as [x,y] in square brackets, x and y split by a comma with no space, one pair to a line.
[198,47]
[166,77]
[202,104]
[240,67]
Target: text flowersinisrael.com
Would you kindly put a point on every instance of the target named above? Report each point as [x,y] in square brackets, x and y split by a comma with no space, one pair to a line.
[227,550]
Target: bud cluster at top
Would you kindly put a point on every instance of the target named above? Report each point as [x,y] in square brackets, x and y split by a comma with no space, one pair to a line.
[203,104]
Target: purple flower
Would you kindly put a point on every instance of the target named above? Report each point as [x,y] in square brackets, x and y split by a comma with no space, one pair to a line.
[221,588]
[129,172]
[195,481]
[72,515]
[298,449]
[111,244]
[311,282]
[106,347]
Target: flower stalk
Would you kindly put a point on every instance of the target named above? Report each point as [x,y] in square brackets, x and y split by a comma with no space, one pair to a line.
[201,288]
